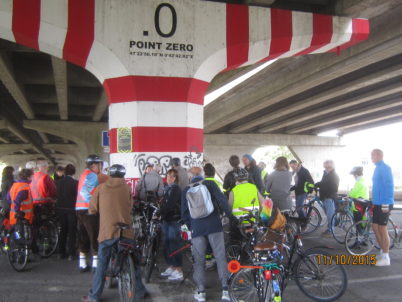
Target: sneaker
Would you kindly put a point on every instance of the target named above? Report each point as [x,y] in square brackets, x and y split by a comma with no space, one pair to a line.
[225,295]
[200,296]
[176,276]
[167,272]
[326,234]
[385,261]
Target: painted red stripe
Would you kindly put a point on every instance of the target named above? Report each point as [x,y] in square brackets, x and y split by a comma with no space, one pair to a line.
[162,139]
[164,89]
[322,33]
[281,33]
[361,31]
[80,31]
[26,22]
[237,35]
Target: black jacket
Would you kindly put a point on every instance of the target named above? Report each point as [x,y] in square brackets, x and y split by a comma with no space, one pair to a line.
[254,176]
[303,176]
[171,204]
[67,188]
[329,185]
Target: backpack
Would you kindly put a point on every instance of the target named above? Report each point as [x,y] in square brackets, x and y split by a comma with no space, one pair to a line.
[199,201]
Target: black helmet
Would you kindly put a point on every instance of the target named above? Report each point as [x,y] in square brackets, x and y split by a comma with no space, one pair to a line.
[117,171]
[93,159]
[176,162]
[240,174]
[358,171]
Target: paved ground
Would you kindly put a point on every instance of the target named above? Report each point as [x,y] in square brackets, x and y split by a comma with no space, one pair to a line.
[53,280]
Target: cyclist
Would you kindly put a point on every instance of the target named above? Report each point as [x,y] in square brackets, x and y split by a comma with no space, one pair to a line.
[150,186]
[254,172]
[88,224]
[229,182]
[383,201]
[43,187]
[304,184]
[360,190]
[20,197]
[112,202]
[210,172]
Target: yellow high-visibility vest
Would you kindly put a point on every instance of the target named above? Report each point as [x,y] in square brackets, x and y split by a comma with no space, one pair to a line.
[244,194]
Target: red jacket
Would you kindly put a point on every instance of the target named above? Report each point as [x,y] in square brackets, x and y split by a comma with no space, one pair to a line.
[43,188]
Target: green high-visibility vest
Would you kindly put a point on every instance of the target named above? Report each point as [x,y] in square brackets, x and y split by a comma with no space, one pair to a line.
[218,183]
[244,194]
[360,190]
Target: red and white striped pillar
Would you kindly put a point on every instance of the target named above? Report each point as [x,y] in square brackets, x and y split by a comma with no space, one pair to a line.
[155,59]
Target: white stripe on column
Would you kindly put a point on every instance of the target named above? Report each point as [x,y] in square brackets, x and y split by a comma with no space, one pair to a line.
[259,33]
[6,20]
[156,114]
[302,33]
[135,162]
[53,26]
[341,33]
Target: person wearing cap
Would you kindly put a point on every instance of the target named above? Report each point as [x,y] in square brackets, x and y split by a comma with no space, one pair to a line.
[207,230]
[88,225]
[304,184]
[183,176]
[150,186]
[254,172]
[112,202]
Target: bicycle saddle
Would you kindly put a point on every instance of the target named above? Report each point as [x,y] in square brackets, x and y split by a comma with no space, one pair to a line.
[123,226]
[265,246]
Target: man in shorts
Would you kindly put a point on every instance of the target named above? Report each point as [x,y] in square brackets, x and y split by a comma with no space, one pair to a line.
[383,201]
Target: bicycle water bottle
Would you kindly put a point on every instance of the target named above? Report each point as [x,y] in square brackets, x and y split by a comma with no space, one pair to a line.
[277,291]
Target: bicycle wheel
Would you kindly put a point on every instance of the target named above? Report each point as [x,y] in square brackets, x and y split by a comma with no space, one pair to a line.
[47,239]
[109,274]
[249,285]
[392,233]
[18,252]
[314,220]
[149,260]
[341,221]
[319,281]
[127,280]
[360,238]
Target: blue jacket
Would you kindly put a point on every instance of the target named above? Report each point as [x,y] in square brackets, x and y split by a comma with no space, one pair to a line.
[212,223]
[383,184]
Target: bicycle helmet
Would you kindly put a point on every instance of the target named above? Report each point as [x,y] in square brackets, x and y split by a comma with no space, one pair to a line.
[93,159]
[240,174]
[117,171]
[358,171]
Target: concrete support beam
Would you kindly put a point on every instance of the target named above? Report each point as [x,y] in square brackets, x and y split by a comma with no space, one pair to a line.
[100,108]
[19,159]
[60,80]
[87,135]
[3,140]
[311,102]
[270,88]
[7,77]
[9,148]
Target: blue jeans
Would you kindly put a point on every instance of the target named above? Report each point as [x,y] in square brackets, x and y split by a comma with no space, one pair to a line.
[98,280]
[300,204]
[329,207]
[172,242]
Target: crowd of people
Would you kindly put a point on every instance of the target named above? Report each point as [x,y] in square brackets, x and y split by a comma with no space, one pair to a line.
[89,209]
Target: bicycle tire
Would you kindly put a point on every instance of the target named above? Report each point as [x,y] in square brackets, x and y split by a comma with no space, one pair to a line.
[242,286]
[149,261]
[126,280]
[109,278]
[17,253]
[314,220]
[341,221]
[315,271]
[360,238]
[47,239]
[392,233]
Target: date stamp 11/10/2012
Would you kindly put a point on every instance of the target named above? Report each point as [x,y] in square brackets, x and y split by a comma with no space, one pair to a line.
[346,259]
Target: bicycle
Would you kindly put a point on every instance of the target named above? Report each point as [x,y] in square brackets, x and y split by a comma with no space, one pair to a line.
[267,278]
[360,238]
[342,220]
[124,257]
[19,240]
[312,214]
[46,230]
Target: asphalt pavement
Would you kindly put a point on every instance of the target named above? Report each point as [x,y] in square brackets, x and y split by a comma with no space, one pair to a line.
[59,280]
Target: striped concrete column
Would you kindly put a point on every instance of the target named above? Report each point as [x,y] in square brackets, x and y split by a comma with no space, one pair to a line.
[155,59]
